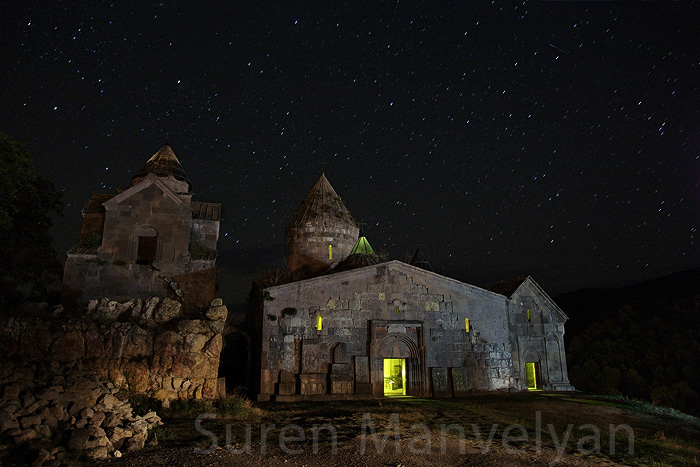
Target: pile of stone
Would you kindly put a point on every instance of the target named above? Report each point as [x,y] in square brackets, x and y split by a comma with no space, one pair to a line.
[48,418]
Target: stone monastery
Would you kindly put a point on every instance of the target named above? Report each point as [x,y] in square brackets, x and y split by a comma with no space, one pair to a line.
[349,326]
[341,324]
[146,240]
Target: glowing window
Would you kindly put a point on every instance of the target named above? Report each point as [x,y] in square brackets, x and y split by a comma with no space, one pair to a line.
[319,322]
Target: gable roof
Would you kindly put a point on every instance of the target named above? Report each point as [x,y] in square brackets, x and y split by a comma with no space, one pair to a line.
[95,205]
[142,185]
[322,206]
[164,163]
[394,264]
[509,288]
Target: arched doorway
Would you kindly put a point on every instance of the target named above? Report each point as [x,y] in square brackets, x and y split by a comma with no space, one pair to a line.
[399,366]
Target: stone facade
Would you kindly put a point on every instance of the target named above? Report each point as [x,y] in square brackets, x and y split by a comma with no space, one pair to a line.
[133,244]
[330,337]
[537,330]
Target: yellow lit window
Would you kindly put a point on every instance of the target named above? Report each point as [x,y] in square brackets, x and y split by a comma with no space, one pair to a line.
[319,322]
[466,324]
[330,251]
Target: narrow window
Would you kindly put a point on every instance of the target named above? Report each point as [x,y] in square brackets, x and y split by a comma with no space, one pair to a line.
[528,315]
[319,322]
[330,251]
[466,324]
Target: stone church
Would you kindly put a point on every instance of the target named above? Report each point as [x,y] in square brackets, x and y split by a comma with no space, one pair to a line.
[149,239]
[348,326]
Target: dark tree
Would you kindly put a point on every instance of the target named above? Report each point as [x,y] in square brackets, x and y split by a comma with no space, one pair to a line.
[28,263]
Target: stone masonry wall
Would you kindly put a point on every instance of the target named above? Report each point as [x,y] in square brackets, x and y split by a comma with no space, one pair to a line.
[386,311]
[145,346]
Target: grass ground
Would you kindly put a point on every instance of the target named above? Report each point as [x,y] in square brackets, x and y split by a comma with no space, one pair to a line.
[491,429]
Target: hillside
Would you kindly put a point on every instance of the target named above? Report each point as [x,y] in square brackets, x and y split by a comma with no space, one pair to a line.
[641,340]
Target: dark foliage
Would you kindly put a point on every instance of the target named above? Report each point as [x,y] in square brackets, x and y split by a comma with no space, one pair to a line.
[648,347]
[29,264]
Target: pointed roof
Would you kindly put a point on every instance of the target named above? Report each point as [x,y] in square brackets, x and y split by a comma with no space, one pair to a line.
[361,255]
[419,261]
[362,246]
[322,205]
[164,163]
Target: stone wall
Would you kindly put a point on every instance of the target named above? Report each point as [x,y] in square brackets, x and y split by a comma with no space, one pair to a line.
[145,346]
[86,277]
[392,310]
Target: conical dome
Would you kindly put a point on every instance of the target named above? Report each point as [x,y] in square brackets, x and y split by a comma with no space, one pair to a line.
[419,261]
[163,163]
[360,256]
[320,232]
[322,206]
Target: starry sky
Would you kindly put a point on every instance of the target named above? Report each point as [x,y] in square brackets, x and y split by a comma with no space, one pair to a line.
[556,139]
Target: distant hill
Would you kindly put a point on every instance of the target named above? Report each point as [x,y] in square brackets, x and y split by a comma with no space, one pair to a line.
[642,340]
[588,305]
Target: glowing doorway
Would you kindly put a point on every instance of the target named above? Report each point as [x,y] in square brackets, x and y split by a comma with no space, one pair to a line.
[394,377]
[532,371]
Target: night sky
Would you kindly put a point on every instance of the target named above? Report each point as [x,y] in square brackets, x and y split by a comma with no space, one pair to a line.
[556,139]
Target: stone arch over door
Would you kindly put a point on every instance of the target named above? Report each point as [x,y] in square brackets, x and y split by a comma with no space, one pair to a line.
[400,345]
[397,346]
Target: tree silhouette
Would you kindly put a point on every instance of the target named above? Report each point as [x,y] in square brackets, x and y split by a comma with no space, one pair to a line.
[29,262]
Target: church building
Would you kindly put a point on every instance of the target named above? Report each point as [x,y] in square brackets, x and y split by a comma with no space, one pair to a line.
[348,326]
[150,239]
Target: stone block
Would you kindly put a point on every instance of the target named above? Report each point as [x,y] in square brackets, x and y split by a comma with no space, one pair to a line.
[439,382]
[286,389]
[361,370]
[313,383]
[460,382]
[341,368]
[363,388]
[341,384]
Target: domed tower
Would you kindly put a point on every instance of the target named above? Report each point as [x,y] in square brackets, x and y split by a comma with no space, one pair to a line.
[321,231]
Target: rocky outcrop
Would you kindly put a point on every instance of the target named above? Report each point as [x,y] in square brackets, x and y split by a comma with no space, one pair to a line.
[48,417]
[147,346]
